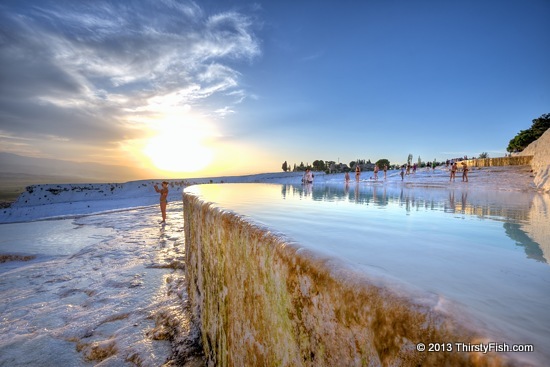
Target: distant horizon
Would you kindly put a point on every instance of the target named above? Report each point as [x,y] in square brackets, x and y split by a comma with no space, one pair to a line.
[190,175]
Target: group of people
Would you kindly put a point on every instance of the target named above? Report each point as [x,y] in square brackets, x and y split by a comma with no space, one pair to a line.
[454,168]
[358,173]
[405,170]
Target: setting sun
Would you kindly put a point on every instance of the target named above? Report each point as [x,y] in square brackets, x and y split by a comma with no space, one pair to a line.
[179,147]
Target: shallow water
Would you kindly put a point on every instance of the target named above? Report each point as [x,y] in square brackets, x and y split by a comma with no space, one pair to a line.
[476,250]
[105,289]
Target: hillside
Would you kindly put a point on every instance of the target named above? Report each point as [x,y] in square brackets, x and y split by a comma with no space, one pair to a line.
[18,172]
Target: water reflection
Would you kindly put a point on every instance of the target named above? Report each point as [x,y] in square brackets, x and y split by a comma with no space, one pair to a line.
[525,214]
[532,249]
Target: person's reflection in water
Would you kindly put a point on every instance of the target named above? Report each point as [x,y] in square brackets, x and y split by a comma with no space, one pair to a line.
[307,189]
[463,201]
[452,200]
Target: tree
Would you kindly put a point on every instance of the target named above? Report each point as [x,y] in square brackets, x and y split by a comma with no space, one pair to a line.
[383,162]
[319,165]
[484,155]
[409,159]
[285,166]
[526,137]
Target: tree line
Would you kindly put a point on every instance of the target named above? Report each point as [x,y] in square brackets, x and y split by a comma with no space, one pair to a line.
[333,167]
[517,144]
[526,137]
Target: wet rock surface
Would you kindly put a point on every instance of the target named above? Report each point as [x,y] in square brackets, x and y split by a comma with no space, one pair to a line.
[118,302]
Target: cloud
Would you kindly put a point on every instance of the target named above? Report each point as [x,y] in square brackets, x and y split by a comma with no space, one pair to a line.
[81,70]
[222,112]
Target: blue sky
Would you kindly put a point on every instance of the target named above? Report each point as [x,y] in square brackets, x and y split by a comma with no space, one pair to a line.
[234,87]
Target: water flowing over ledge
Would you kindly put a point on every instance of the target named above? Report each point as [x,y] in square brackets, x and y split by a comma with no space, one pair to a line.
[262,299]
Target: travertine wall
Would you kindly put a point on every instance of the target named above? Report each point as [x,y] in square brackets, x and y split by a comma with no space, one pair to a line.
[540,150]
[261,301]
[502,161]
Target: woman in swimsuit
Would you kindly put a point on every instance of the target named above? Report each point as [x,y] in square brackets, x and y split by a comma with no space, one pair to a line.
[357,173]
[454,168]
[163,199]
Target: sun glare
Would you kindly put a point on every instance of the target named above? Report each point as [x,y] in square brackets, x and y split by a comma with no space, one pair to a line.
[179,147]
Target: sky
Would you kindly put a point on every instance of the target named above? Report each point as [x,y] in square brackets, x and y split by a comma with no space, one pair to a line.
[189,89]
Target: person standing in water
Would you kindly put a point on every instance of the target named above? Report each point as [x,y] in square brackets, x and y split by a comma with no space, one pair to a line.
[464,172]
[308,177]
[454,168]
[357,173]
[163,199]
